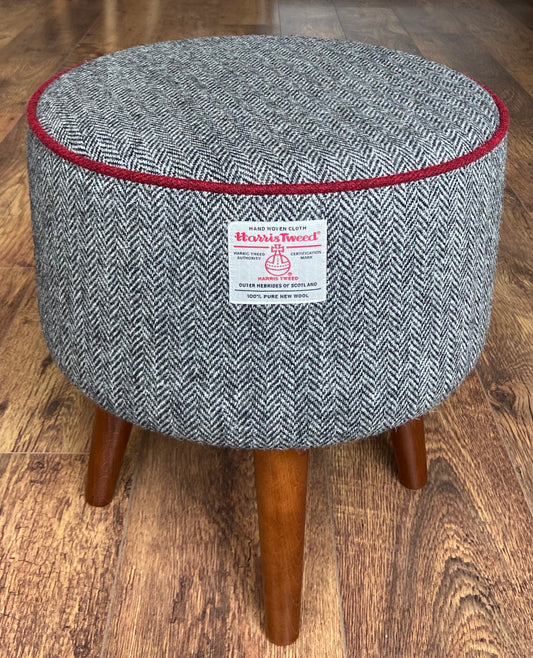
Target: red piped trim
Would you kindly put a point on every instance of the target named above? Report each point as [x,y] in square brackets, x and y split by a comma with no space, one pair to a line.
[267,188]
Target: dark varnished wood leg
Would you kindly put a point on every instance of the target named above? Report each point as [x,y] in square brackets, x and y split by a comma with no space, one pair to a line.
[110,438]
[410,450]
[281,484]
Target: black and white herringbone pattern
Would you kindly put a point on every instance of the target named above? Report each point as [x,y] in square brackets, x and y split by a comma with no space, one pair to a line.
[133,278]
[259,109]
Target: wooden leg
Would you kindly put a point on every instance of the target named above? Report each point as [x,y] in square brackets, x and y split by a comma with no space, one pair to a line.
[110,438]
[410,451]
[281,484]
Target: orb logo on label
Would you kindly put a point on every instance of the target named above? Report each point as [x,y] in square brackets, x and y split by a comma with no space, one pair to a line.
[277,263]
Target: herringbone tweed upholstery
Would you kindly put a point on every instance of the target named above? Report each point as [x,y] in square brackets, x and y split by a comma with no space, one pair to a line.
[139,160]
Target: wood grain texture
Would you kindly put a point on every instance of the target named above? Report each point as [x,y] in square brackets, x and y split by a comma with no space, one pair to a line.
[15,223]
[281,495]
[7,121]
[58,557]
[249,13]
[521,10]
[128,24]
[310,18]
[42,412]
[14,286]
[190,580]
[40,47]
[506,38]
[506,365]
[108,447]
[441,572]
[19,16]
[376,25]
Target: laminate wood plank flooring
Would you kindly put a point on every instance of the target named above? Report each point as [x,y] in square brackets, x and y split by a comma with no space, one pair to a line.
[14,285]
[15,224]
[58,557]
[7,121]
[42,412]
[39,48]
[514,279]
[310,18]
[172,567]
[471,580]
[376,25]
[17,18]
[193,520]
[521,9]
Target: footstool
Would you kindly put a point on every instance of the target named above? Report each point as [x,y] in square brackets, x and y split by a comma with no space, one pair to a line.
[271,243]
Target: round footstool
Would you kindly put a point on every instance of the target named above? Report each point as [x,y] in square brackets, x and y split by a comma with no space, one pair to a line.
[265,242]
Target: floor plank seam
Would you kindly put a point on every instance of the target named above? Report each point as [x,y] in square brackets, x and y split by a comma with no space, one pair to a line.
[339,21]
[17,267]
[25,453]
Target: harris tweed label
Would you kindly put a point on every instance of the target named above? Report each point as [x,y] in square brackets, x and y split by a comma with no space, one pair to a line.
[277,262]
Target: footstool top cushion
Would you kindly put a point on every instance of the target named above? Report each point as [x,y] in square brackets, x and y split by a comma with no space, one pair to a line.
[260,114]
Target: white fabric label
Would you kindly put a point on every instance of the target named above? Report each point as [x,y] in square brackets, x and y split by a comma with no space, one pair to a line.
[277,262]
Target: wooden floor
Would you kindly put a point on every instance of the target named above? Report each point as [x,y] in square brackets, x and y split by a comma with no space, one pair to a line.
[172,567]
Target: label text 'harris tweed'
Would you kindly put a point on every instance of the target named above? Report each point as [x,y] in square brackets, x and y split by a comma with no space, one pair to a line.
[277,262]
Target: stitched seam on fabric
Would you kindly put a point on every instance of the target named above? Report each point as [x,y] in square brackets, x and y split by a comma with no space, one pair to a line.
[262,189]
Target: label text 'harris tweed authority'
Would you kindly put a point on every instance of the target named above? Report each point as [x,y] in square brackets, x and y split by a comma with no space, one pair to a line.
[277,262]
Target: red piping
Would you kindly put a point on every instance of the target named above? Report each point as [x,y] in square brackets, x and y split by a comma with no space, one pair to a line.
[267,188]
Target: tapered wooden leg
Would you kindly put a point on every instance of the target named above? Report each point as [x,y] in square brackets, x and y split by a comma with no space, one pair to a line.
[410,450]
[110,438]
[281,484]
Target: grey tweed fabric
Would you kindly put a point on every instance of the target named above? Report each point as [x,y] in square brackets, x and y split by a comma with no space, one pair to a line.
[133,276]
[267,110]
